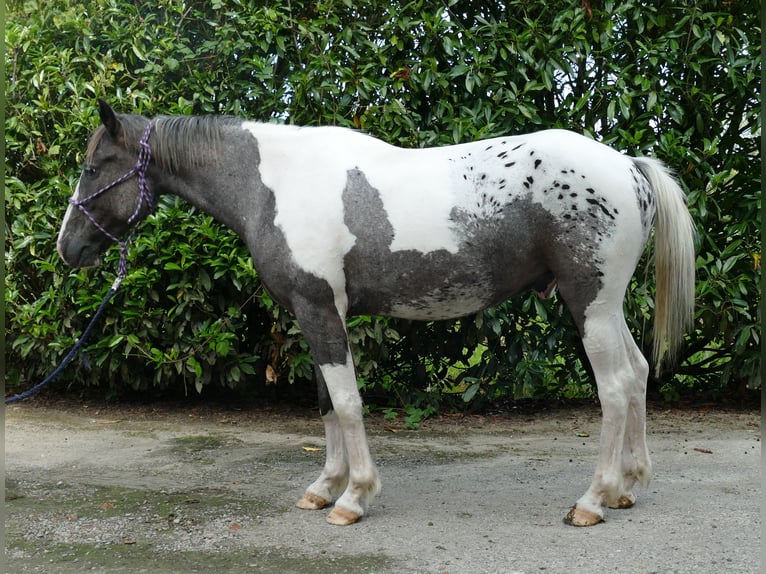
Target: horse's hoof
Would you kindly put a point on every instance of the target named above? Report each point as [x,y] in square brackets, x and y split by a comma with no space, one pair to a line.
[342,517]
[581,517]
[311,501]
[624,501]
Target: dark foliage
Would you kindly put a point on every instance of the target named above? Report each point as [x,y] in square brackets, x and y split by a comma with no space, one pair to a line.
[675,80]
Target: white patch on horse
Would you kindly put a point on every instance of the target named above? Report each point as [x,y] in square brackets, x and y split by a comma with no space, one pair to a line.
[414,186]
[308,197]
[418,195]
[67,216]
[562,171]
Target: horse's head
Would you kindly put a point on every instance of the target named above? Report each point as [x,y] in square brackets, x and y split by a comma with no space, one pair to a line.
[112,193]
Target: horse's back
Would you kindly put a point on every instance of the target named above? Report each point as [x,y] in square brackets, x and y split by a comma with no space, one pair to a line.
[442,232]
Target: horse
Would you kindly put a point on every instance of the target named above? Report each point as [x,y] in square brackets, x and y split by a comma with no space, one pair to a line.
[339,223]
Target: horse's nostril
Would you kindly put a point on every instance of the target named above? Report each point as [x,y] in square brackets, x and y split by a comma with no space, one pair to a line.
[74,254]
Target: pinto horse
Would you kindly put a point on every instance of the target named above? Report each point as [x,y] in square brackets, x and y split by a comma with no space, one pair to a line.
[339,223]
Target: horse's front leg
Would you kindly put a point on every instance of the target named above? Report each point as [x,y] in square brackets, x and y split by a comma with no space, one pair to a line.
[363,482]
[349,462]
[334,478]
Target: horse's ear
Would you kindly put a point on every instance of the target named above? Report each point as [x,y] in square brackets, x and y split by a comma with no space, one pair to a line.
[109,119]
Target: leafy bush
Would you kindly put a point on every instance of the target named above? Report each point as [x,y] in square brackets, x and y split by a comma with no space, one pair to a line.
[678,82]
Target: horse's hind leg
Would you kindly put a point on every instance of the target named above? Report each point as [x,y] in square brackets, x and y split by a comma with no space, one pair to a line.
[621,373]
[636,464]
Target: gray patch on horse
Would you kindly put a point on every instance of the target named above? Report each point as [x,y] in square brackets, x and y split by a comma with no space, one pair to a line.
[533,249]
[405,283]
[521,246]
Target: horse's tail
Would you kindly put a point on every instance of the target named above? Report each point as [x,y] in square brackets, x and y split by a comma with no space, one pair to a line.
[674,261]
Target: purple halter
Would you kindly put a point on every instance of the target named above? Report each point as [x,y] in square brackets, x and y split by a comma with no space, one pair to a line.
[144,197]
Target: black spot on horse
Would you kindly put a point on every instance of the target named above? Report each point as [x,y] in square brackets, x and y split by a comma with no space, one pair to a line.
[517,147]
[510,164]
[606,211]
[537,163]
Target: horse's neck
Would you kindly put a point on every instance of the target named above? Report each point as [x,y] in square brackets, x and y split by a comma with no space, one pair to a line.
[226,189]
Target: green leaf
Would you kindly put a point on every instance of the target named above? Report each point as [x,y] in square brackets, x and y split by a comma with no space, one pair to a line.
[470,392]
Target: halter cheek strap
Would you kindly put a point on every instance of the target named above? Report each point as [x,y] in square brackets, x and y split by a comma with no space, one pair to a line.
[145,198]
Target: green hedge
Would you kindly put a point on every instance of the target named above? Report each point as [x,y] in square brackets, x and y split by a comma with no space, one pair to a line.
[677,82]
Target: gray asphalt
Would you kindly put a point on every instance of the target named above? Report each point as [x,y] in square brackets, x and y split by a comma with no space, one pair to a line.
[203,490]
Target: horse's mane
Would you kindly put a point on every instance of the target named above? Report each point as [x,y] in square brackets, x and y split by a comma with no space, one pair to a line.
[177,142]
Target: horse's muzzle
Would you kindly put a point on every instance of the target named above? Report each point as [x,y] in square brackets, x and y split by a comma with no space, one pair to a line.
[78,254]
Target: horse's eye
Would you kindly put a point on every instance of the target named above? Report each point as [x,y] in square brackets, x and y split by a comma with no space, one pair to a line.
[88,170]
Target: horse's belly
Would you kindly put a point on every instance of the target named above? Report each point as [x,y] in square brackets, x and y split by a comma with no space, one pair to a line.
[411,296]
[442,304]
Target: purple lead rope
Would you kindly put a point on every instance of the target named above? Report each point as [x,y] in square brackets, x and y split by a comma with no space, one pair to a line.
[144,196]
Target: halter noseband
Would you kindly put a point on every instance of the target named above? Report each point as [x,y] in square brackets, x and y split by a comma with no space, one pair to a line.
[144,197]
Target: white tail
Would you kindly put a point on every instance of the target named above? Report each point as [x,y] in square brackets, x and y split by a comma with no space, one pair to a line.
[674,261]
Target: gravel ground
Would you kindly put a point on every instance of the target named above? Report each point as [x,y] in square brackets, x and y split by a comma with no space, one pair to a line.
[179,489]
